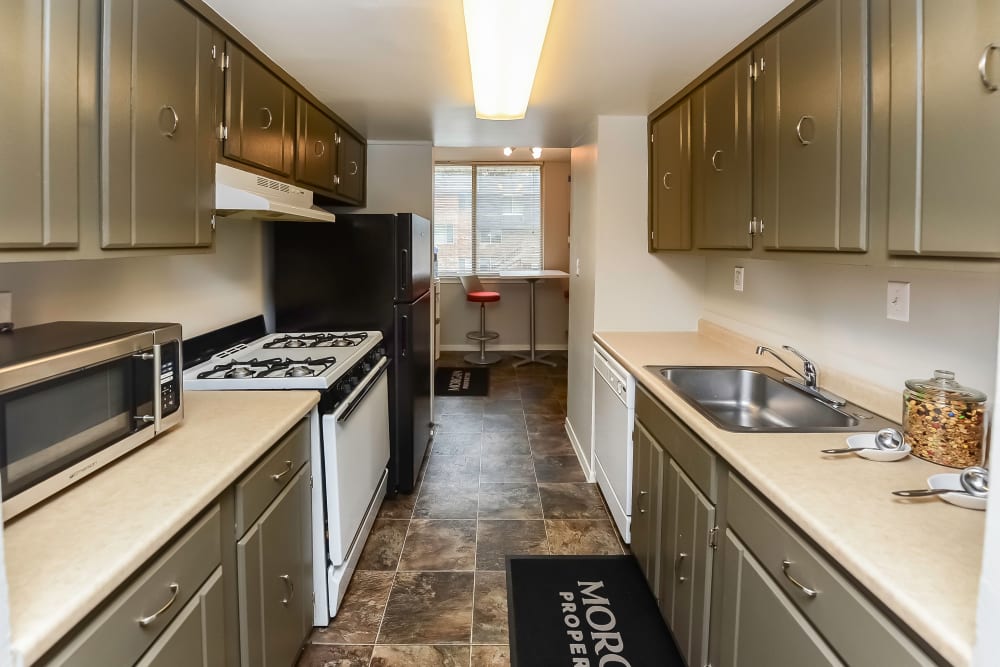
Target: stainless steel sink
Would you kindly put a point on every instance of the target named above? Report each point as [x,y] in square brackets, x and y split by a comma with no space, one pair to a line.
[756,399]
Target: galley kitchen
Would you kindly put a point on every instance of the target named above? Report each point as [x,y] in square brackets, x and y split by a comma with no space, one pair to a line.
[499,332]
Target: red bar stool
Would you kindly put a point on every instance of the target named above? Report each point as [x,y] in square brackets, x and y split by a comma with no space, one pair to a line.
[475,293]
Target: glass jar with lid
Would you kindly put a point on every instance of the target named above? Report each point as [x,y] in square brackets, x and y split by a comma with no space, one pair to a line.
[943,421]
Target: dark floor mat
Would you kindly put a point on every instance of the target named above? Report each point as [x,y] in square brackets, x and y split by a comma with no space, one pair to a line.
[559,606]
[461,381]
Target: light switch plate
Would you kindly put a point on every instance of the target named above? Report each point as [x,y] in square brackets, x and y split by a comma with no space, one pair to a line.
[897,301]
[738,279]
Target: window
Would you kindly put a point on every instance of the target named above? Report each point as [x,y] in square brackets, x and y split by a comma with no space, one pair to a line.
[487,218]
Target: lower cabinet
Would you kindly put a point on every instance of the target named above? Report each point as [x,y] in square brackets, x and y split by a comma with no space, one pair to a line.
[195,638]
[760,625]
[736,583]
[275,579]
[646,503]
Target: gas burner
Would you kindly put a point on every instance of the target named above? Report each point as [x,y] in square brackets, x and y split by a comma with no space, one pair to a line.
[239,369]
[316,340]
[299,372]
[298,368]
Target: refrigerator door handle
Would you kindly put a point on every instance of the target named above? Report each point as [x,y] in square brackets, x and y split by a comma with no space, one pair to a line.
[404,269]
[404,335]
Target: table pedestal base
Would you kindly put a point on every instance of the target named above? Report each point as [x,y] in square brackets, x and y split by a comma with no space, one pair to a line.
[532,357]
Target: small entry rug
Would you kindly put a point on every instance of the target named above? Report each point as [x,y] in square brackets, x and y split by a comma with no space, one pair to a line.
[461,381]
[584,610]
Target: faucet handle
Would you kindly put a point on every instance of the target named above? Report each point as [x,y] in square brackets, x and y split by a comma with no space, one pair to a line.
[808,367]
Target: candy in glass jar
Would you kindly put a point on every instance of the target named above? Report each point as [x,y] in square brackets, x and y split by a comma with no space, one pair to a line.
[943,421]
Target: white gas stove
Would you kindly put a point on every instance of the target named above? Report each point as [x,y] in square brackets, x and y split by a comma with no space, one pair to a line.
[350,434]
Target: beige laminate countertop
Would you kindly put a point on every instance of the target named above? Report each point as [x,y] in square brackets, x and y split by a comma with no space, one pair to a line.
[67,555]
[921,558]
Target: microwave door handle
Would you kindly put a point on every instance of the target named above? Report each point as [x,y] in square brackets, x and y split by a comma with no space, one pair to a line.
[154,359]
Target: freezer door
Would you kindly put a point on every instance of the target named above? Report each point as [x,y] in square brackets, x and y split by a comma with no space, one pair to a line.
[413,257]
[412,379]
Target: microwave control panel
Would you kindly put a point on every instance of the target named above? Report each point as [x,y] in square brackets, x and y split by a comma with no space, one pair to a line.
[170,378]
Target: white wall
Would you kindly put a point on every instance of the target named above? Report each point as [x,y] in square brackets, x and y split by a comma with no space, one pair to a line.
[400,178]
[201,291]
[621,287]
[636,290]
[582,254]
[835,314]
[988,614]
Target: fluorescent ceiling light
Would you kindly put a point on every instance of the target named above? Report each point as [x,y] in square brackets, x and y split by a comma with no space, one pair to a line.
[507,150]
[536,152]
[505,42]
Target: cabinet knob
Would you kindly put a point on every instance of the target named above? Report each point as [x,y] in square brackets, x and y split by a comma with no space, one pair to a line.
[988,83]
[168,117]
[267,118]
[289,589]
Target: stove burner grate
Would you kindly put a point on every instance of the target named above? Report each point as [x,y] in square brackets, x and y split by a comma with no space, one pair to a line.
[239,370]
[317,340]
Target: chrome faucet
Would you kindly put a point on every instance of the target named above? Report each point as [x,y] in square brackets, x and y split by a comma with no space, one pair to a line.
[809,375]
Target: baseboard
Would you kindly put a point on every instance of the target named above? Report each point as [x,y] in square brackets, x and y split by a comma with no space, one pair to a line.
[584,461]
[462,347]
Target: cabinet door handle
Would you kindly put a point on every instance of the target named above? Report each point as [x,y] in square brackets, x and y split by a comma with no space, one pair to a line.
[638,501]
[677,566]
[266,125]
[715,161]
[147,620]
[987,82]
[666,180]
[809,592]
[289,588]
[173,118]
[354,168]
[279,476]
[799,127]
[319,148]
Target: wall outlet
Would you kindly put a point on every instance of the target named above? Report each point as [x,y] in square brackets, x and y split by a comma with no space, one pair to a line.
[738,279]
[897,301]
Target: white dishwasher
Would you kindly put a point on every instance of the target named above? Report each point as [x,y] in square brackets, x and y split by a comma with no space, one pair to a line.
[614,411]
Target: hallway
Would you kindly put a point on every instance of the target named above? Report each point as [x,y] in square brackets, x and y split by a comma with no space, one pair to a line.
[501,478]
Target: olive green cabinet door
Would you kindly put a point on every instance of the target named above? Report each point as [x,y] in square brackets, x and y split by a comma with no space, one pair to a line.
[670,180]
[274,561]
[351,168]
[760,626]
[39,168]
[686,568]
[260,115]
[944,128]
[316,156]
[157,153]
[648,467]
[811,101]
[722,159]
[196,637]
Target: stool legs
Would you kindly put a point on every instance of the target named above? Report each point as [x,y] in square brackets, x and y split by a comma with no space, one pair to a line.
[482,358]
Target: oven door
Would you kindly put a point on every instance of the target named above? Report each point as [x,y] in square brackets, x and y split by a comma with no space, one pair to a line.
[56,431]
[355,454]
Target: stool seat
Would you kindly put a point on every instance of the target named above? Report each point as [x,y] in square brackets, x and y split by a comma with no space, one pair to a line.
[483,297]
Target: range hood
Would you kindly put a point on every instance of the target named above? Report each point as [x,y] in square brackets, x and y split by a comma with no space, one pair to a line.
[240,195]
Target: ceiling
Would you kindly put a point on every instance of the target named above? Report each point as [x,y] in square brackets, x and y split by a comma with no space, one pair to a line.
[398,70]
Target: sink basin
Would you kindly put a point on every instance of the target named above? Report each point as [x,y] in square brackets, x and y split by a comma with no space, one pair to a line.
[757,399]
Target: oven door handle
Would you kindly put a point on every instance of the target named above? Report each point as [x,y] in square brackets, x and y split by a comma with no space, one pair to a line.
[367,385]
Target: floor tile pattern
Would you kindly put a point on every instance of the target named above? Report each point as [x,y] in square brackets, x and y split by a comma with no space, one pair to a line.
[501,478]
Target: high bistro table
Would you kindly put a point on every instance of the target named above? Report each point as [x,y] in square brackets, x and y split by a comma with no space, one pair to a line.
[531,277]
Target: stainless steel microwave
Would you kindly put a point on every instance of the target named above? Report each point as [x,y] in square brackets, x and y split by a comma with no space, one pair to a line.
[75,396]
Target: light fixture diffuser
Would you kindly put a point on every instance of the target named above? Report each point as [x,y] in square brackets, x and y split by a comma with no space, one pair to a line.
[505,41]
[508,151]
[536,152]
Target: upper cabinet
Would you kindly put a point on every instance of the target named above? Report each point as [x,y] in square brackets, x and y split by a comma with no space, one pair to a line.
[810,124]
[316,152]
[722,160]
[39,171]
[350,167]
[944,128]
[260,115]
[157,114]
[670,184]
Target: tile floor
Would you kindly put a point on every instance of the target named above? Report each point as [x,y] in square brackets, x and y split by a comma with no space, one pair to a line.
[501,478]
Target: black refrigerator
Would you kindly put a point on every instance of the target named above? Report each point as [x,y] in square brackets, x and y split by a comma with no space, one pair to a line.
[367,271]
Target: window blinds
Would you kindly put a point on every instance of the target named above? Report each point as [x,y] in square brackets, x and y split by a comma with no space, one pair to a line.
[487,218]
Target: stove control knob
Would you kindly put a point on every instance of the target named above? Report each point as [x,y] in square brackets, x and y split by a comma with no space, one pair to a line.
[365,366]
